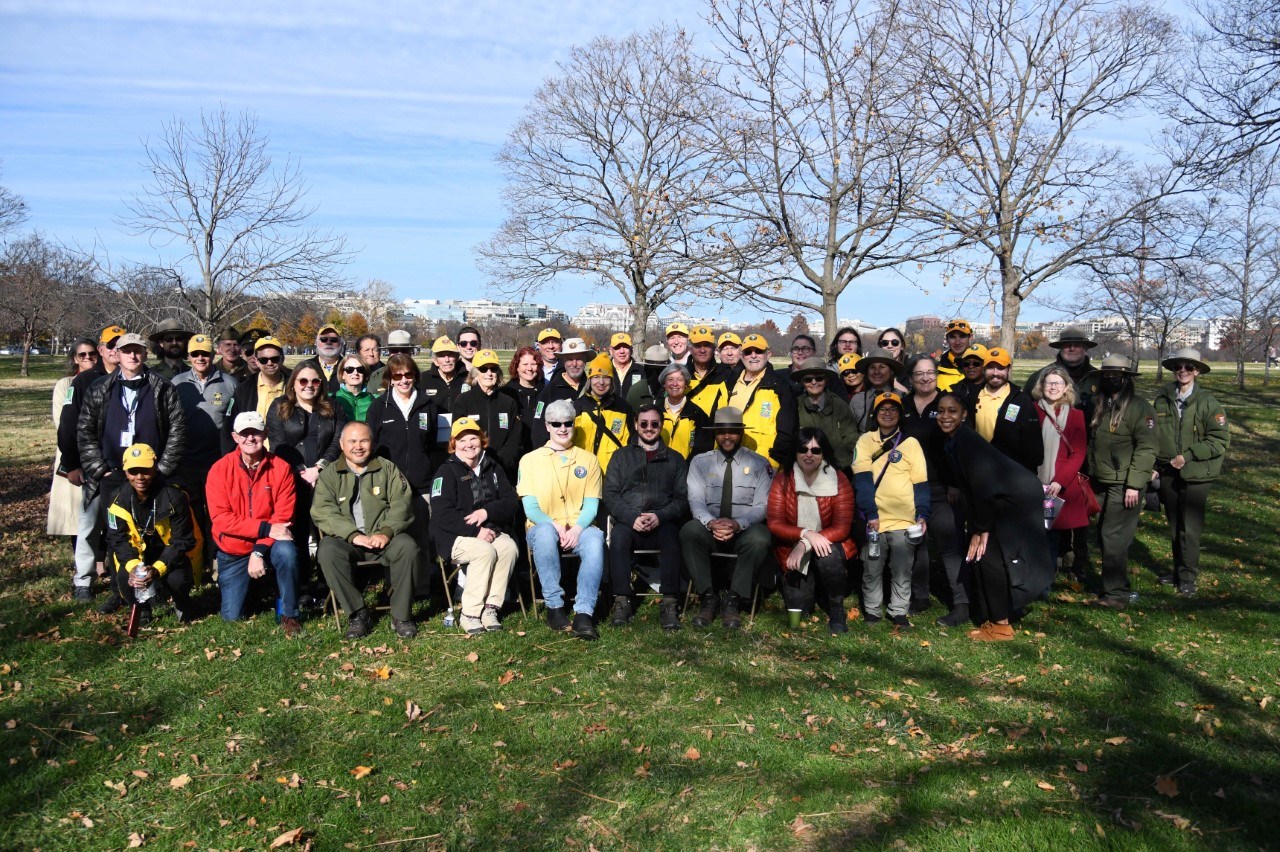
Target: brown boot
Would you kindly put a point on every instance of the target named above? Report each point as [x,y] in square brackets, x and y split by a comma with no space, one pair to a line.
[996,633]
[977,632]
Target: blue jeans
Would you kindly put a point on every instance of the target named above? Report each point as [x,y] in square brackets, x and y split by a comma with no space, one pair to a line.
[544,545]
[233,579]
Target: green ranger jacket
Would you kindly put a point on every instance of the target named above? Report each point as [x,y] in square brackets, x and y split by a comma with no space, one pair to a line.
[1127,452]
[385,494]
[1201,435]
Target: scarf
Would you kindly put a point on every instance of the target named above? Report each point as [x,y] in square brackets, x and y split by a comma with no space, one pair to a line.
[1051,437]
[405,405]
[808,515]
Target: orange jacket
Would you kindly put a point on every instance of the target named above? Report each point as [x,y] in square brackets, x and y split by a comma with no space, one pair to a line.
[836,513]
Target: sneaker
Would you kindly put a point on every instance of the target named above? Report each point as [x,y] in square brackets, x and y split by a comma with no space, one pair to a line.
[82,594]
[557,619]
[621,616]
[669,614]
[710,606]
[359,625]
[405,629]
[1187,590]
[871,620]
[900,623]
[1167,580]
[489,618]
[730,617]
[145,616]
[959,615]
[919,606]
[113,603]
[292,627]
[584,626]
[473,624]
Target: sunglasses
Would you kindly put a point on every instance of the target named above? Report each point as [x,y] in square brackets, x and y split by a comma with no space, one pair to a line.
[308,383]
[752,351]
[269,359]
[970,365]
[470,344]
[648,424]
[890,342]
[488,369]
[174,339]
[251,433]
[87,356]
[331,340]
[400,377]
[813,380]
[810,451]
[1178,368]
[551,424]
[352,369]
[199,354]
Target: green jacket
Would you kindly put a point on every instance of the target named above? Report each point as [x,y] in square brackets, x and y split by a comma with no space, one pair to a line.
[1127,453]
[836,421]
[1201,435]
[386,495]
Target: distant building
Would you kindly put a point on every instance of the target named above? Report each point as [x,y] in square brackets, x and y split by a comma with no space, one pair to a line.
[480,311]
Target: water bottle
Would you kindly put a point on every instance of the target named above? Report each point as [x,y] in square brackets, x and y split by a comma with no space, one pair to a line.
[143,595]
[873,545]
[1133,597]
[448,617]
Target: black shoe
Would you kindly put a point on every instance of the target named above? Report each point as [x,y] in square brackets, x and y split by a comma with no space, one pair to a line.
[707,614]
[621,612]
[1186,590]
[730,617]
[145,616]
[82,594]
[836,620]
[1118,604]
[669,614]
[556,618]
[901,623]
[584,626]
[111,604]
[1167,580]
[959,615]
[359,626]
[919,606]
[871,620]
[404,629]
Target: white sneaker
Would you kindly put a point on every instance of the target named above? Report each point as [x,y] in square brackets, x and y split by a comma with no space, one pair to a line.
[489,618]
[472,624]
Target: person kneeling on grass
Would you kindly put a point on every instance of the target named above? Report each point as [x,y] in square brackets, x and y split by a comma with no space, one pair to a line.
[151,535]
[560,486]
[472,504]
[363,507]
[251,499]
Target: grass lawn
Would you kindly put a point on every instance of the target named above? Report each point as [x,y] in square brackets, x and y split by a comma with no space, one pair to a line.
[1154,728]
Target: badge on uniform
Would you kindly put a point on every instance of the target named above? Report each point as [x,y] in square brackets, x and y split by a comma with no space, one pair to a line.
[895,456]
[1222,420]
[502,420]
[111,520]
[537,412]
[437,486]
[1011,414]
[580,472]
[1151,423]
[746,471]
[616,426]
[71,395]
[766,410]
[217,398]
[377,489]
[424,420]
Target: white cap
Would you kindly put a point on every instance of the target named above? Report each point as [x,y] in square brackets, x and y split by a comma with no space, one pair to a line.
[249,420]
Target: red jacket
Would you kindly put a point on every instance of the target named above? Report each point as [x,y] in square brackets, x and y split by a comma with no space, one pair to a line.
[244,505]
[1072,515]
[836,513]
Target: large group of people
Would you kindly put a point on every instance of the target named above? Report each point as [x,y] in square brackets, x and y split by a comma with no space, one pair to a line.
[699,471]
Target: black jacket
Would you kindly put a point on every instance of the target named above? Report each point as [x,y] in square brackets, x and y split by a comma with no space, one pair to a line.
[1017,432]
[526,400]
[634,485]
[432,384]
[499,416]
[126,542]
[69,423]
[170,421]
[305,439]
[454,494]
[408,443]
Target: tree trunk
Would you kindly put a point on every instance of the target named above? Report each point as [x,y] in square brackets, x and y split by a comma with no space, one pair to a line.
[1011,305]
[830,322]
[639,326]
[28,340]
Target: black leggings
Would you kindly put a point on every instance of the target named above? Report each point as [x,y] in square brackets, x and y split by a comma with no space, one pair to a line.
[800,590]
[991,585]
[176,582]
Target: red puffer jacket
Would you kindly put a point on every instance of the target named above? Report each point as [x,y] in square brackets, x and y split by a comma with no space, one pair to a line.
[244,505]
[836,513]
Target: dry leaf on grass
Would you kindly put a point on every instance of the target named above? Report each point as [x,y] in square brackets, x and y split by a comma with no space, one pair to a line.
[361,771]
[181,781]
[473,657]
[799,827]
[692,753]
[1166,785]
[136,840]
[507,677]
[381,672]
[412,710]
[1115,741]
[1045,785]
[289,838]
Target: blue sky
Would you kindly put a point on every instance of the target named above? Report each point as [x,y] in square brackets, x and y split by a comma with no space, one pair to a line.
[394,111]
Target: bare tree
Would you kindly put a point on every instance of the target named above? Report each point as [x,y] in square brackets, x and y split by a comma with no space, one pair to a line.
[608,181]
[13,210]
[1243,219]
[39,284]
[1017,85]
[240,224]
[823,129]
[1228,95]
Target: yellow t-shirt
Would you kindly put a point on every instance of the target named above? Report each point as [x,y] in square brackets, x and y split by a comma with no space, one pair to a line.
[896,495]
[268,394]
[742,391]
[988,411]
[561,480]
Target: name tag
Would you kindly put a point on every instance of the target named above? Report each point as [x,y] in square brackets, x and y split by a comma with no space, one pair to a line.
[126,440]
[502,421]
[1011,413]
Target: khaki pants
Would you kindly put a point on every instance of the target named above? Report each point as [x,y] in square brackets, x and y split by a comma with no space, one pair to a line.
[488,570]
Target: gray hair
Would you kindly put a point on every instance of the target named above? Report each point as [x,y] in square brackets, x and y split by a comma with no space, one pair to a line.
[560,411]
[674,368]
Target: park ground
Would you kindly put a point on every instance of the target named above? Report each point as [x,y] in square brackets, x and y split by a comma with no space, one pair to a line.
[1155,728]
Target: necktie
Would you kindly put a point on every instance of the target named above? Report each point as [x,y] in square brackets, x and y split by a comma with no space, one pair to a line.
[726,490]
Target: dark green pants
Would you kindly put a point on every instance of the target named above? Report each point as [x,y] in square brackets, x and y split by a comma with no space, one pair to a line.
[1184,505]
[751,545]
[338,559]
[1116,526]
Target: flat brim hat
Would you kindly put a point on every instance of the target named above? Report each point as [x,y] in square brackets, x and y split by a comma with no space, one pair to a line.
[1118,363]
[620,339]
[814,367]
[726,418]
[463,425]
[677,328]
[996,355]
[881,356]
[110,333]
[1073,334]
[656,356]
[251,337]
[267,342]
[960,326]
[130,339]
[575,347]
[233,333]
[486,358]
[548,334]
[701,334]
[166,328]
[247,420]
[1189,355]
[728,338]
[138,456]
[399,337]
[199,343]
[444,346]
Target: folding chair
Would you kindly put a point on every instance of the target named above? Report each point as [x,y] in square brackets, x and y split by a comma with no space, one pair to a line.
[332,601]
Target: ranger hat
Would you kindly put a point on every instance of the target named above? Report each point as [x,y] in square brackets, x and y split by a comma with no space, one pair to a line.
[399,339]
[813,367]
[656,356]
[250,338]
[233,333]
[726,418]
[1189,355]
[575,347]
[138,455]
[1118,362]
[166,328]
[1073,334]
[881,356]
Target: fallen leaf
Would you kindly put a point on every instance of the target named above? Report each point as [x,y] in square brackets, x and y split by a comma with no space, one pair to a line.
[473,657]
[210,653]
[498,705]
[287,839]
[181,781]
[1167,785]
[412,710]
[86,822]
[1081,766]
[692,753]
[381,672]
[507,677]
[1115,741]
[385,798]
[135,840]
[799,827]
[1045,785]
[361,771]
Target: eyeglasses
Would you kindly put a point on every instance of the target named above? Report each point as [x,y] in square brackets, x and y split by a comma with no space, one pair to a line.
[810,451]
[846,341]
[649,424]
[890,342]
[799,349]
[352,369]
[813,380]
[400,377]
[469,344]
[552,424]
[308,383]
[87,356]
[1055,383]
[923,374]
[269,359]
[331,340]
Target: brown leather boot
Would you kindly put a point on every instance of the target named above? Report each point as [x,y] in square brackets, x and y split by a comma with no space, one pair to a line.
[996,633]
[976,633]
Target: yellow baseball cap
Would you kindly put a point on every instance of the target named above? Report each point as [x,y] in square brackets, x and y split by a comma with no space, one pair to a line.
[465,424]
[138,455]
[728,338]
[848,362]
[620,339]
[755,341]
[977,350]
[199,343]
[961,327]
[677,328]
[444,346]
[996,355]
[486,358]
[549,334]
[110,333]
[887,396]
[268,342]
[702,334]
[601,365]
